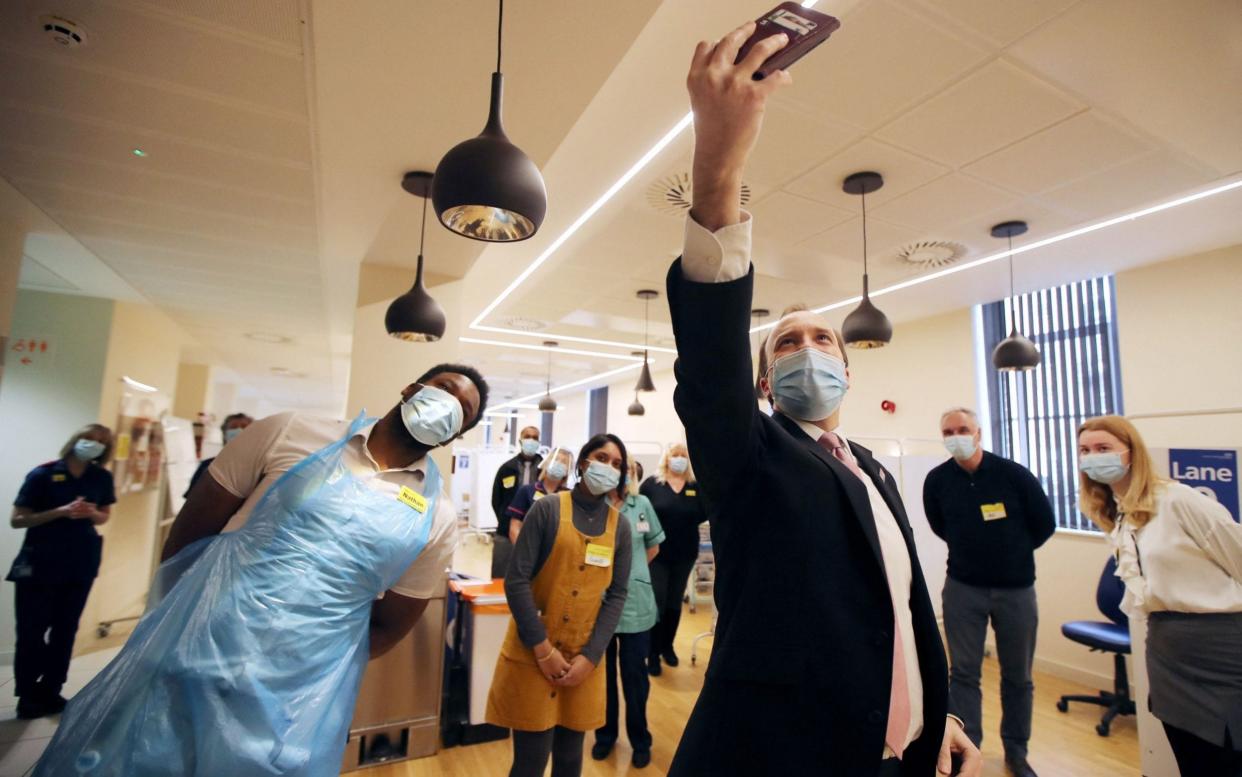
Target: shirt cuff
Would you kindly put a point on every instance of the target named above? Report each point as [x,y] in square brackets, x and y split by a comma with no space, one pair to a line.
[959,720]
[716,257]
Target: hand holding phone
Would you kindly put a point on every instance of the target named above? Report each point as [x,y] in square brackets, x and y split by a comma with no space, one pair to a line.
[806,30]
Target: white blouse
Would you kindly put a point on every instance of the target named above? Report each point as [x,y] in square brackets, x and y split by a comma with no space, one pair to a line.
[1188,558]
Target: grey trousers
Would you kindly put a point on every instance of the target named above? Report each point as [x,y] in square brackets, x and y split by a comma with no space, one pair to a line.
[502,551]
[1015,618]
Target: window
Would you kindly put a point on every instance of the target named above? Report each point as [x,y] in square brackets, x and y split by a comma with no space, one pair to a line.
[1035,414]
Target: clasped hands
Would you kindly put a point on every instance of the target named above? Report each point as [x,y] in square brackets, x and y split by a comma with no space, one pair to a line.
[80,508]
[557,671]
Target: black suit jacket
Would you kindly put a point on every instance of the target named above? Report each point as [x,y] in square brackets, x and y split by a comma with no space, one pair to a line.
[801,590]
[502,495]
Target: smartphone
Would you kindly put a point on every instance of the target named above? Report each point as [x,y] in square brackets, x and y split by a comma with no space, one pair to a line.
[806,30]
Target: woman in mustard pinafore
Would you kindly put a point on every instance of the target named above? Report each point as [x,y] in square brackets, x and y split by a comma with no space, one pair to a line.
[566,587]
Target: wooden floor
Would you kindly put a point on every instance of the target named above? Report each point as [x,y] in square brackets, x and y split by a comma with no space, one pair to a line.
[1062,745]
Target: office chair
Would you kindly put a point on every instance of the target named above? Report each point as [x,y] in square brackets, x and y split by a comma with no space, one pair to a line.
[1112,636]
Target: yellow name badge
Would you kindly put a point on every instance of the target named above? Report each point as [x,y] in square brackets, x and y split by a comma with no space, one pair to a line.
[509,481]
[993,512]
[412,498]
[58,478]
[691,492]
[598,555]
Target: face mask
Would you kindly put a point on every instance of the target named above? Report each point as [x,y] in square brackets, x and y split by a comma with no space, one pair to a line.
[1103,468]
[600,478]
[432,416]
[530,447]
[557,470]
[808,385]
[88,450]
[229,434]
[678,464]
[960,446]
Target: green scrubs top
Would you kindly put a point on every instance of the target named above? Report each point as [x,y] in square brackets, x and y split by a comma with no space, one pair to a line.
[640,612]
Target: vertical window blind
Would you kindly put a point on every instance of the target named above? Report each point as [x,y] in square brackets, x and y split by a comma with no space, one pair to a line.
[1035,414]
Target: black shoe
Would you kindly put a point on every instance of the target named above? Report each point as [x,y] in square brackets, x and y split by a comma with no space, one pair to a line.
[670,657]
[31,709]
[1018,767]
[641,758]
[653,666]
[601,750]
[56,704]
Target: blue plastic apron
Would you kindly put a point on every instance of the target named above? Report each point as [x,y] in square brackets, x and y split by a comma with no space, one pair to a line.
[250,664]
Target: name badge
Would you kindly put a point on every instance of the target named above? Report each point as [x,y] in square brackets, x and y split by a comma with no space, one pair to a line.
[993,512]
[691,492]
[643,526]
[538,495]
[58,478]
[412,498]
[598,555]
[509,481]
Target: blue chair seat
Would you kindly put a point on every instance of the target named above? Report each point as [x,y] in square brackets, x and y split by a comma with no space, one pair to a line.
[1099,635]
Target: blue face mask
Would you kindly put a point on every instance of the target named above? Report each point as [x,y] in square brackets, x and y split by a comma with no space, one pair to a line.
[557,470]
[678,464]
[600,478]
[88,450]
[1103,468]
[530,447]
[960,446]
[230,434]
[808,385]
[432,416]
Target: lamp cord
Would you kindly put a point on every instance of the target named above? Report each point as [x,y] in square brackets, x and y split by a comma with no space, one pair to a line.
[500,26]
[1013,311]
[864,219]
[423,234]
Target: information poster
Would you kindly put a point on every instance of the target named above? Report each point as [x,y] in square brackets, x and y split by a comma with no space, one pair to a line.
[1211,471]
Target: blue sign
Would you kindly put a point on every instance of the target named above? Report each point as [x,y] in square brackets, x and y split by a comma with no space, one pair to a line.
[1214,472]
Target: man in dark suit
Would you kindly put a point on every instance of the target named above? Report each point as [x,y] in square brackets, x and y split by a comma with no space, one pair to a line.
[827,658]
[512,475]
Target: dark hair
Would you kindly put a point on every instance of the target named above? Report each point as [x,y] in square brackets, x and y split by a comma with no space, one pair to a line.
[104,457]
[230,418]
[599,441]
[475,378]
[525,428]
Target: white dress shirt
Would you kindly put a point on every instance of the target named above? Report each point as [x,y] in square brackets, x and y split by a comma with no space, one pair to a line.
[249,465]
[725,256]
[1188,558]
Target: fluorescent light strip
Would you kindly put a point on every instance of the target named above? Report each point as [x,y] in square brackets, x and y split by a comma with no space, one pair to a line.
[572,339]
[128,381]
[600,354]
[1073,233]
[567,386]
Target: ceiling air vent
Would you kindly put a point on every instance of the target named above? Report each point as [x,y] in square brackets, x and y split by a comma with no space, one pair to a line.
[62,31]
[671,195]
[523,324]
[930,254]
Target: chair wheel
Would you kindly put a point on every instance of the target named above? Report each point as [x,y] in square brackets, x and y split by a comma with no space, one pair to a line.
[1102,729]
[1063,705]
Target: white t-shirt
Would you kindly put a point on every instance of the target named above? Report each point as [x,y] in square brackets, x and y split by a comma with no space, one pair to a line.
[249,465]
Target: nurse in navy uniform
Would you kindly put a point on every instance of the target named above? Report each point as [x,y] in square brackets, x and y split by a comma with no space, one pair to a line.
[59,505]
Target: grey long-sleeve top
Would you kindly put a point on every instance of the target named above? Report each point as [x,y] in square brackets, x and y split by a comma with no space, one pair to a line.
[533,547]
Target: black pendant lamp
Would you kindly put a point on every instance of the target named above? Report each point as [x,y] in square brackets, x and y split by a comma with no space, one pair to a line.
[415,316]
[636,407]
[644,378]
[757,315]
[548,404]
[486,188]
[866,326]
[1015,353]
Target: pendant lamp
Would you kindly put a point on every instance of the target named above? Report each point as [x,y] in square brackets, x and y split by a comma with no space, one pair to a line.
[644,379]
[866,326]
[636,407]
[415,316]
[757,315]
[486,188]
[548,404]
[1015,353]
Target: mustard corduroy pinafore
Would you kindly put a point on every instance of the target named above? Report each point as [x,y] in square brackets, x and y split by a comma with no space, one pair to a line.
[569,593]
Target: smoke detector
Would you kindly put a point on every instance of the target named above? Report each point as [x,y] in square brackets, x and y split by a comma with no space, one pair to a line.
[930,254]
[672,194]
[62,31]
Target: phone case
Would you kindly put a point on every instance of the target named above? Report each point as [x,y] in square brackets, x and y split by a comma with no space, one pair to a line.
[806,30]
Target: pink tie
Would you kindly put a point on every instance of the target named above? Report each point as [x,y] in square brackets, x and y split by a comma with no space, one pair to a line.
[899,693]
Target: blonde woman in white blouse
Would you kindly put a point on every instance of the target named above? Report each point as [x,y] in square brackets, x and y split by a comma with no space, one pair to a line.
[1179,553]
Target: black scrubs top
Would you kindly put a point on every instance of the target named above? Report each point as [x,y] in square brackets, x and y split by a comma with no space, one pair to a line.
[680,515]
[66,550]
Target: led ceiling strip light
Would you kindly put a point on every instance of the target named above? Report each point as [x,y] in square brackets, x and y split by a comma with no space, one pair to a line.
[506,344]
[564,387]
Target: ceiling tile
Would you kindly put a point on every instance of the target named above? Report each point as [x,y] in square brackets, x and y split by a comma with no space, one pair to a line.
[1078,147]
[845,241]
[902,173]
[786,219]
[1000,21]
[1133,184]
[882,60]
[942,203]
[996,106]
[792,140]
